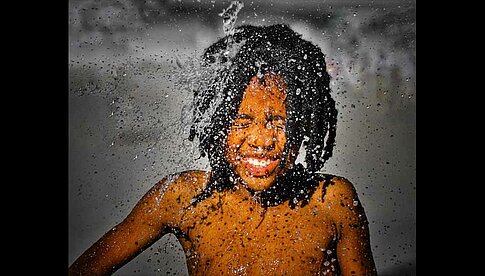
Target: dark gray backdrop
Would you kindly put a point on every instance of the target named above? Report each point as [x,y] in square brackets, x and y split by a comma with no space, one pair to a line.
[125,111]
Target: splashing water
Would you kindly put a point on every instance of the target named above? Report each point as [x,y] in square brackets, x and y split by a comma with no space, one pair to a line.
[205,79]
[229,16]
[209,80]
[134,119]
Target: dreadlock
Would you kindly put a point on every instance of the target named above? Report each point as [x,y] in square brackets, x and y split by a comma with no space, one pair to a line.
[311,113]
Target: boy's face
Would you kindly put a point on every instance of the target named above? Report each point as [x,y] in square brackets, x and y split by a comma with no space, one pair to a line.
[257,136]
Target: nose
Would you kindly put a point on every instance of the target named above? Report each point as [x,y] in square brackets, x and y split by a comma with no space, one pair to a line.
[262,137]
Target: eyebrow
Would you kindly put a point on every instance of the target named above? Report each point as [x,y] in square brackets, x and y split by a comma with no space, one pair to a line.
[249,117]
[277,117]
[243,116]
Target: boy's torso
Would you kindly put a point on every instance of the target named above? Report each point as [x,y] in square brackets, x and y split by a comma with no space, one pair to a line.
[230,233]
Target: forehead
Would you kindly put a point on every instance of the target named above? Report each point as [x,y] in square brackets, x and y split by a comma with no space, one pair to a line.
[268,92]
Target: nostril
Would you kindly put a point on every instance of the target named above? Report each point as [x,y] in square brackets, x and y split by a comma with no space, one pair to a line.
[262,139]
[262,144]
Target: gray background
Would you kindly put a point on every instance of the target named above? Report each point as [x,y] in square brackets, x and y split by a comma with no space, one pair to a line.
[125,112]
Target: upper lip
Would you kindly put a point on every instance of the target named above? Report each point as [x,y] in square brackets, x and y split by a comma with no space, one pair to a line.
[261,156]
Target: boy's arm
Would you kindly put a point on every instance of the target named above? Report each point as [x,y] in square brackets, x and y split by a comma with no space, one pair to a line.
[141,228]
[353,244]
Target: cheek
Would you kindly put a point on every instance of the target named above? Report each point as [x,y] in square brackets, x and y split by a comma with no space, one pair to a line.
[281,139]
[234,141]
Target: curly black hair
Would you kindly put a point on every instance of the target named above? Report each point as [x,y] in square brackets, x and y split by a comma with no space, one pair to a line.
[311,112]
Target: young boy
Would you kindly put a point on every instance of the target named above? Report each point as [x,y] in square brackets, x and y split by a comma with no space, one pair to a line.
[256,212]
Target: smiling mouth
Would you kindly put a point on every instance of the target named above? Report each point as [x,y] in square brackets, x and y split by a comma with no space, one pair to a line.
[258,162]
[259,167]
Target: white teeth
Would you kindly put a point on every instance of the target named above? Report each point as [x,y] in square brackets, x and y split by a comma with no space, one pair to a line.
[258,162]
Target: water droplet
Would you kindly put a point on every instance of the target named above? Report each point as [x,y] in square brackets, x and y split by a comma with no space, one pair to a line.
[229,16]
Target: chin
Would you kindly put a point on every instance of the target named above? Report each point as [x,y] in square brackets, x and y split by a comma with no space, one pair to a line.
[258,183]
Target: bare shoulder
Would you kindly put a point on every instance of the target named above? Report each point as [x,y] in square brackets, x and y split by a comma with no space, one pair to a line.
[337,187]
[165,200]
[187,183]
[339,195]
[176,189]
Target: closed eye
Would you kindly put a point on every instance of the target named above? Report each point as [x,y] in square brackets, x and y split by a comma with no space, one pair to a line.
[278,121]
[242,121]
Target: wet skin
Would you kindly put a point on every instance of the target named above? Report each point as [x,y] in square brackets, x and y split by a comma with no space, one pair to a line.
[230,233]
[257,137]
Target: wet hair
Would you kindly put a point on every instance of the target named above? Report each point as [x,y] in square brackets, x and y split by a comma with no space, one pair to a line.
[311,113]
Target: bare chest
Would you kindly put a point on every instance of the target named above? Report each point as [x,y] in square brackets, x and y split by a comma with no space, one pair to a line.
[243,239]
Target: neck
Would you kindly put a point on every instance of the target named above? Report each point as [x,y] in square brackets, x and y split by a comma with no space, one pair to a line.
[295,186]
[240,197]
